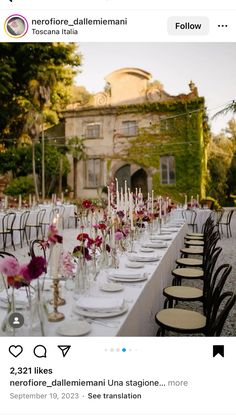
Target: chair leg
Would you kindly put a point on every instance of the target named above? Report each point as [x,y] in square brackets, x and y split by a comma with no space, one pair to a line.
[21,241]
[12,240]
[25,235]
[160,332]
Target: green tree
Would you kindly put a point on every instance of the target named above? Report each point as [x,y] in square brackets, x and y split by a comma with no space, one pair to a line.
[78,151]
[36,87]
[220,155]
[18,160]
[78,94]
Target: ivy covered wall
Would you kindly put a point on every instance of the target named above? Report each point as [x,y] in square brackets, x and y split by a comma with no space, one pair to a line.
[182,132]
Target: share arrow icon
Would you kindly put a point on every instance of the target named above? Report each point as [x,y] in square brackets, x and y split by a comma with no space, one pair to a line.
[64,349]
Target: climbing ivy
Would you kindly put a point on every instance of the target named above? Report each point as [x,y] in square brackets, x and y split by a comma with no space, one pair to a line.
[182,132]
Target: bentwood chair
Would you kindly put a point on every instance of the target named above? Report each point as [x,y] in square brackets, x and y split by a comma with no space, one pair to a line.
[37,224]
[227,224]
[21,228]
[176,293]
[5,254]
[37,248]
[196,260]
[217,308]
[190,216]
[6,228]
[47,221]
[192,322]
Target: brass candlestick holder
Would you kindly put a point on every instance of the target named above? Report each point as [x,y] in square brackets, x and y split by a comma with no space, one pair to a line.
[55,316]
[60,301]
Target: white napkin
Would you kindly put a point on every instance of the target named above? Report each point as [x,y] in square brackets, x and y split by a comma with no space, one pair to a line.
[170,230]
[98,304]
[118,273]
[155,244]
[161,237]
[143,258]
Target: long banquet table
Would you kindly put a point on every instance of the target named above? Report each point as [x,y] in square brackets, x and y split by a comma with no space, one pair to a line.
[143,299]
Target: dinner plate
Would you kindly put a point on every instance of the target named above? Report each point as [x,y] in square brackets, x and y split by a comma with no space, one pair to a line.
[169,230]
[101,315]
[110,287]
[155,245]
[124,273]
[144,258]
[163,237]
[123,279]
[146,250]
[74,328]
[130,264]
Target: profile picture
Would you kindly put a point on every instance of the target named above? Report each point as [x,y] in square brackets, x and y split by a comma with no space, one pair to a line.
[16,26]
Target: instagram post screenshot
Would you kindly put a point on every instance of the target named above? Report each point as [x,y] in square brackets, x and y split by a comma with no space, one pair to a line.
[117,209]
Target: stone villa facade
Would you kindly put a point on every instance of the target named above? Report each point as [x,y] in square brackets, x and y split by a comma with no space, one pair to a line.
[129,102]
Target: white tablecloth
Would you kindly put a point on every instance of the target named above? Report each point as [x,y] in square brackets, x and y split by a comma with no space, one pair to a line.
[144,299]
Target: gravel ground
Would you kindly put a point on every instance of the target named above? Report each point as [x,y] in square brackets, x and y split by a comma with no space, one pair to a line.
[228,255]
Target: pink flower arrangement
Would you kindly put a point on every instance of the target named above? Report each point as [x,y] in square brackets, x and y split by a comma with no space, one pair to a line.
[67,265]
[118,235]
[87,245]
[21,275]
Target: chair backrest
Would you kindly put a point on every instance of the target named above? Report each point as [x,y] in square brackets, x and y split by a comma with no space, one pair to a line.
[229,216]
[209,245]
[208,270]
[36,248]
[218,215]
[227,299]
[24,218]
[215,289]
[53,213]
[4,254]
[8,221]
[41,215]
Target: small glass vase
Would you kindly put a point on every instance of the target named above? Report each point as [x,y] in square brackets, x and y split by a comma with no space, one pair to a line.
[114,258]
[104,257]
[81,278]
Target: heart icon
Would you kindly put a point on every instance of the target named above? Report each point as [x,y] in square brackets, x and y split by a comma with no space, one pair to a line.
[15,350]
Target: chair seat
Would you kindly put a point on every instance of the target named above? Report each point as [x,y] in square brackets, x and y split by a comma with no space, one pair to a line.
[188,272]
[189,262]
[193,242]
[189,237]
[183,293]
[195,234]
[192,250]
[179,319]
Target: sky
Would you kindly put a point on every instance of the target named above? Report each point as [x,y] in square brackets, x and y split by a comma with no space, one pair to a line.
[211,66]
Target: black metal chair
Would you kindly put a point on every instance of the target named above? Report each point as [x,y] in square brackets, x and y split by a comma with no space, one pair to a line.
[227,223]
[22,227]
[176,293]
[37,248]
[190,216]
[6,228]
[4,254]
[55,212]
[192,322]
[37,225]
[217,308]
